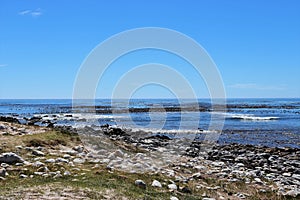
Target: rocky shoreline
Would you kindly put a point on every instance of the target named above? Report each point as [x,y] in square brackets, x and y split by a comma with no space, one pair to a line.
[185,162]
[230,162]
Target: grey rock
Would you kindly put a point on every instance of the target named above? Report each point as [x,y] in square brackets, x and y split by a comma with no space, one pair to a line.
[58,175]
[38,173]
[156,183]
[296,176]
[62,160]
[78,161]
[4,165]
[258,180]
[218,164]
[196,175]
[3,172]
[10,158]
[287,174]
[51,160]
[172,186]
[67,173]
[173,198]
[2,127]
[293,193]
[240,196]
[38,164]
[79,149]
[140,183]
[23,176]
[38,153]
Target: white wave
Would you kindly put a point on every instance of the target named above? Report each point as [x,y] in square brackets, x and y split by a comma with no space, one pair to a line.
[172,131]
[249,117]
[252,117]
[75,116]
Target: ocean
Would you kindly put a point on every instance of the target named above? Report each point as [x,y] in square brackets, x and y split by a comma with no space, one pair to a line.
[264,122]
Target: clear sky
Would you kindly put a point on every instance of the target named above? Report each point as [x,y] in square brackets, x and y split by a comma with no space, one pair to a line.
[254,43]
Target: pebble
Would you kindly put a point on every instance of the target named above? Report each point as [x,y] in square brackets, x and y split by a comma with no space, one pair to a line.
[173,198]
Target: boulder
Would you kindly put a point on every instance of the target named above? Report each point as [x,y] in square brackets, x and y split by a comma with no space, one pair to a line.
[9,119]
[10,158]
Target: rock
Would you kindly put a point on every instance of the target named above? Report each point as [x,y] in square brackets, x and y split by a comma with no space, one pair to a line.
[140,183]
[258,180]
[79,161]
[67,173]
[66,156]
[71,152]
[240,196]
[2,127]
[23,176]
[173,198]
[186,190]
[58,175]
[43,169]
[34,120]
[4,165]
[296,176]
[62,160]
[9,119]
[156,183]
[3,172]
[172,186]
[51,160]
[287,174]
[38,164]
[119,153]
[38,173]
[293,193]
[218,164]
[79,149]
[196,175]
[38,153]
[10,158]
[19,147]
[206,198]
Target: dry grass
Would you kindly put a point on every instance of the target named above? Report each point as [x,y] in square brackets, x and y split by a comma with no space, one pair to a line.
[101,183]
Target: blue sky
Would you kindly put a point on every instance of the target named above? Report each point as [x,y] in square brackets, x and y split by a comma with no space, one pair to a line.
[255,44]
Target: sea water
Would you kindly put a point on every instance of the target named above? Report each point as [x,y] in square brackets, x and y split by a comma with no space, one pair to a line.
[269,122]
